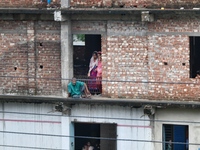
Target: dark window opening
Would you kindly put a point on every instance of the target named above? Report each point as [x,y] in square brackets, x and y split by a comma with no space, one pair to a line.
[93,132]
[41,66]
[194,56]
[83,48]
[165,63]
[175,133]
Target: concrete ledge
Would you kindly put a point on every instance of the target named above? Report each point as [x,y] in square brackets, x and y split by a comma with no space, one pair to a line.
[26,11]
[135,103]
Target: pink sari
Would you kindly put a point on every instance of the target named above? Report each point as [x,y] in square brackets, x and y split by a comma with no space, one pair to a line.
[92,74]
[99,69]
[99,76]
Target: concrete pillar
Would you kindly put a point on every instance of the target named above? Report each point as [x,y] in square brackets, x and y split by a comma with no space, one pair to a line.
[66,142]
[66,55]
[31,66]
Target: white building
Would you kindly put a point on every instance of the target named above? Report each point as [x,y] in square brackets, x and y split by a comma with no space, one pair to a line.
[68,124]
[36,125]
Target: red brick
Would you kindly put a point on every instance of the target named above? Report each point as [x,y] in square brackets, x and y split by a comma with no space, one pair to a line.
[20,50]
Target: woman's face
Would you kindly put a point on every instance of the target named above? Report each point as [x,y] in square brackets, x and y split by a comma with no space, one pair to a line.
[95,56]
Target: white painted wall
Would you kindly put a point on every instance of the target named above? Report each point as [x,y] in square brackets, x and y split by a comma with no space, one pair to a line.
[126,129]
[56,124]
[186,115]
[26,123]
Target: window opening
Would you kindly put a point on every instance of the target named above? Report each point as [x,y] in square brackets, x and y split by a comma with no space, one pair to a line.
[84,46]
[95,130]
[194,56]
[175,133]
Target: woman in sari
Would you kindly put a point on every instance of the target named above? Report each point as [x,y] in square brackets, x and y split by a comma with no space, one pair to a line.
[92,73]
[99,73]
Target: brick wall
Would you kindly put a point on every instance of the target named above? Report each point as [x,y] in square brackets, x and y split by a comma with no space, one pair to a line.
[150,60]
[152,57]
[104,3]
[30,49]
[48,34]
[126,59]
[170,44]
[166,55]
[136,3]
[26,3]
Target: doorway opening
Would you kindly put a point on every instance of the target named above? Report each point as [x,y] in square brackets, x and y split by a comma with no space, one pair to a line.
[83,47]
[93,132]
[175,133]
[194,56]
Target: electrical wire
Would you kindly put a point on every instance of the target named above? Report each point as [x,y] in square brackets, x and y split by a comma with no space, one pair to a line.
[150,82]
[71,116]
[87,137]
[134,119]
[26,147]
[97,138]
[35,114]
[106,118]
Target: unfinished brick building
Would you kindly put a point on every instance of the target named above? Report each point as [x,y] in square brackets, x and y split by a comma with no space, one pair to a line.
[145,58]
[150,55]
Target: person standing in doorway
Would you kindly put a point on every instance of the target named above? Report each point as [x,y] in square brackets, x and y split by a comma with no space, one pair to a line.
[92,73]
[93,65]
